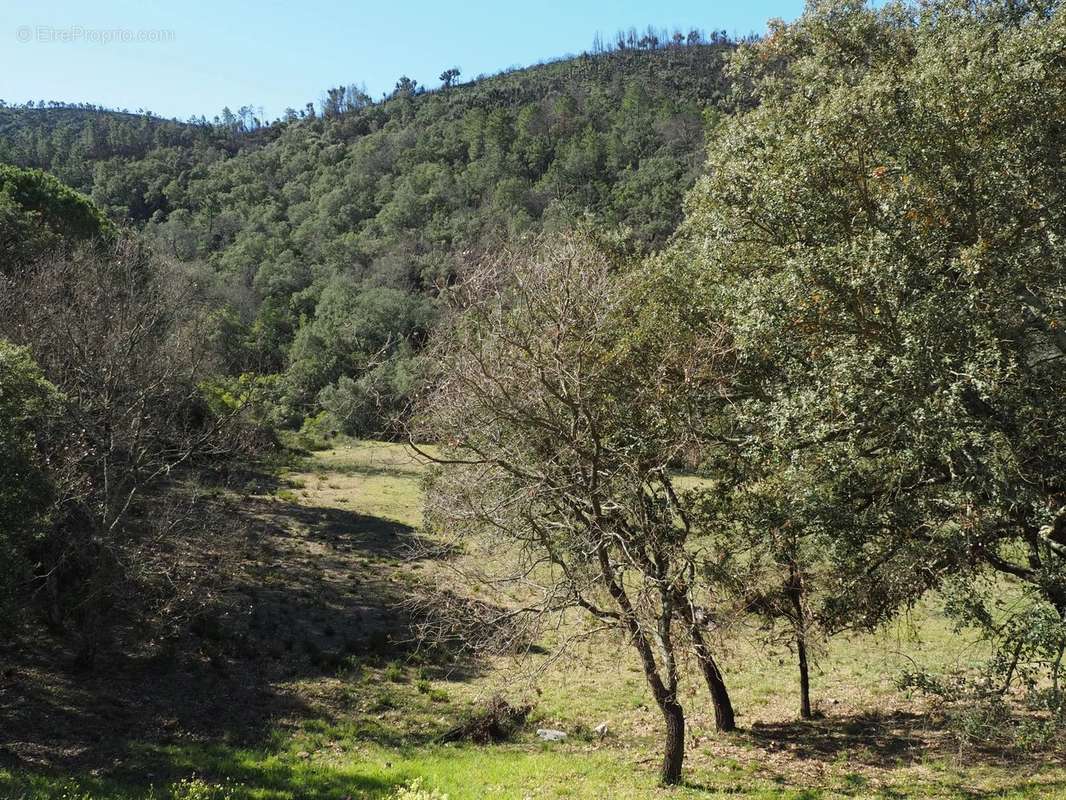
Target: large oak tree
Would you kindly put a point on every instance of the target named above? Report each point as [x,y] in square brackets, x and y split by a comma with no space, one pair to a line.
[884,231]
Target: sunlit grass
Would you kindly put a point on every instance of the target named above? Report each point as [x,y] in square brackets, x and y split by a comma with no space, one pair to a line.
[386,736]
[376,479]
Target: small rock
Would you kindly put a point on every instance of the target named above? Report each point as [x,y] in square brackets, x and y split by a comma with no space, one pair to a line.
[601,729]
[551,735]
[303,754]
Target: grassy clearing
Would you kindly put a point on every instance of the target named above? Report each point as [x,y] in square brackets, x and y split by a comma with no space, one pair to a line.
[367,725]
[373,478]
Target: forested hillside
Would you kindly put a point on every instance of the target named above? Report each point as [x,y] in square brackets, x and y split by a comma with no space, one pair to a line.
[326,236]
[723,387]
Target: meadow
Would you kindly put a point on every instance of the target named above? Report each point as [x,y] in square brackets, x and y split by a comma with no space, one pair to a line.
[334,557]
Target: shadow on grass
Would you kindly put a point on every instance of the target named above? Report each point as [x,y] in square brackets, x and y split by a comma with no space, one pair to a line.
[230,773]
[336,586]
[879,740]
[347,530]
[385,470]
[856,786]
[316,594]
[867,746]
[874,740]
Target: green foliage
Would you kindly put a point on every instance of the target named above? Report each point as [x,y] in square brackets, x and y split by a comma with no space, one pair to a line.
[27,401]
[253,393]
[357,348]
[883,235]
[38,213]
[198,789]
[369,209]
[316,432]
[979,712]
[415,790]
[68,213]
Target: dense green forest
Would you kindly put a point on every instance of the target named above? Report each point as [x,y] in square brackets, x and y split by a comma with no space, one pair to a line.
[327,235]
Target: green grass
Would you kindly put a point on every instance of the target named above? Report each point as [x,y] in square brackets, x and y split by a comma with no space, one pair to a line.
[372,478]
[334,763]
[371,771]
[391,713]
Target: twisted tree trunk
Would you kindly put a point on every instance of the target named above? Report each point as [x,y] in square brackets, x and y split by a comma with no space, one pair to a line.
[674,754]
[665,693]
[724,717]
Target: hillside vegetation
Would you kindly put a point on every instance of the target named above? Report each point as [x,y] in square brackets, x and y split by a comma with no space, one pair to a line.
[327,236]
[729,379]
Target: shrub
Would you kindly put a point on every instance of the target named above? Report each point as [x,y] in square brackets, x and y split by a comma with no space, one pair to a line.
[415,790]
[119,335]
[198,789]
[27,401]
[498,721]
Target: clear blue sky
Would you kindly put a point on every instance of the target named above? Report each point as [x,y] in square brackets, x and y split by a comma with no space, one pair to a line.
[276,54]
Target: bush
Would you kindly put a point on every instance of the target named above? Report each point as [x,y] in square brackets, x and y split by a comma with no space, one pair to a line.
[27,401]
[317,432]
[38,213]
[498,721]
[118,334]
[197,789]
[980,712]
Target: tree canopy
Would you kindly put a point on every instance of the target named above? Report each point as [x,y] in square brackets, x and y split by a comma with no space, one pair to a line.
[883,231]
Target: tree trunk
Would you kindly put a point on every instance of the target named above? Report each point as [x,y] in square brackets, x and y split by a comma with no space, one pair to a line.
[805,678]
[795,593]
[724,717]
[665,695]
[675,742]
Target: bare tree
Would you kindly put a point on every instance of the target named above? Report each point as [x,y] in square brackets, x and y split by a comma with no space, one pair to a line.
[118,336]
[559,430]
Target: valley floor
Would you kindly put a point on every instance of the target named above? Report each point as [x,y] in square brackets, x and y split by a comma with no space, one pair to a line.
[304,690]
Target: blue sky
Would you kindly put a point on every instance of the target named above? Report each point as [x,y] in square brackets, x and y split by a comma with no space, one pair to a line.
[215,53]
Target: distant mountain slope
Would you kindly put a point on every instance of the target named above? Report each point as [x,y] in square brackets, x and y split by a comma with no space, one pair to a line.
[330,232]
